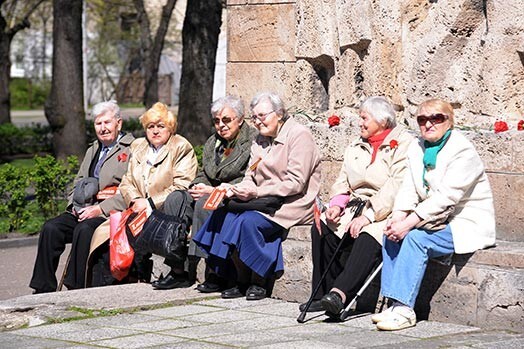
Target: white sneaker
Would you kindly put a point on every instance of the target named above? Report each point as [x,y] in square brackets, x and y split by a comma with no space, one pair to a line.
[400,317]
[376,318]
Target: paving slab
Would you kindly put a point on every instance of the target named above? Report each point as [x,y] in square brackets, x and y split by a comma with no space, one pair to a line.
[187,319]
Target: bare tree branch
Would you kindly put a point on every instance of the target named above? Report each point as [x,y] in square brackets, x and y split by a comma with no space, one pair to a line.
[24,22]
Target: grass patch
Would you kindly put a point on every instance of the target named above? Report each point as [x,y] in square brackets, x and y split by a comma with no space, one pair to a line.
[23,163]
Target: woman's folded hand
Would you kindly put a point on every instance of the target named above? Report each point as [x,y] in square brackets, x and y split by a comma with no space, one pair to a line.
[244,193]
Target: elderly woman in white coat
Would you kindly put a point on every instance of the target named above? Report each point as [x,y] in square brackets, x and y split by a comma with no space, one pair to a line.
[444,206]
[373,168]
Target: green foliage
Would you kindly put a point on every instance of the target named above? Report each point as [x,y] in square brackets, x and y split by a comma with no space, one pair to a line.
[13,185]
[26,94]
[50,178]
[199,150]
[24,140]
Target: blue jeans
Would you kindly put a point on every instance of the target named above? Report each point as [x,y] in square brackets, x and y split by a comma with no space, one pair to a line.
[405,262]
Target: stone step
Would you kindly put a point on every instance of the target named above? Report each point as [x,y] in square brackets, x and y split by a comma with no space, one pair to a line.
[485,288]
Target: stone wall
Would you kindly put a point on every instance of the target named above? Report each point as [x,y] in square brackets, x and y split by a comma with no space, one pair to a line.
[329,54]
[325,56]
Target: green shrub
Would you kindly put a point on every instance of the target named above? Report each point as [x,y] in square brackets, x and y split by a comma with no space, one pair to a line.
[24,140]
[13,185]
[28,94]
[51,178]
[199,150]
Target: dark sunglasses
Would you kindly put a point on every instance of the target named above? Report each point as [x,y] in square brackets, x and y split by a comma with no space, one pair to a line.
[226,120]
[433,118]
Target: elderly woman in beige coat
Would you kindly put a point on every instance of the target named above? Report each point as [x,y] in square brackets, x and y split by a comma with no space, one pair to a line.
[444,206]
[285,163]
[160,164]
[373,168]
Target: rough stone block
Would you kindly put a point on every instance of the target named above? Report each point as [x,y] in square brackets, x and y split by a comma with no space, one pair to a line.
[253,2]
[330,171]
[261,33]
[333,141]
[316,29]
[508,194]
[295,284]
[518,151]
[494,149]
[246,79]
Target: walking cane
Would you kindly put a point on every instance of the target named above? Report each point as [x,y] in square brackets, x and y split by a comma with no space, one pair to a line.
[345,313]
[302,315]
[360,204]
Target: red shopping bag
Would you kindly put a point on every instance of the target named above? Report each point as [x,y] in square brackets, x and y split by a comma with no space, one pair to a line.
[121,253]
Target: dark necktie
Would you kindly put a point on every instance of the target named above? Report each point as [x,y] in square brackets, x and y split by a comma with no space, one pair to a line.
[98,166]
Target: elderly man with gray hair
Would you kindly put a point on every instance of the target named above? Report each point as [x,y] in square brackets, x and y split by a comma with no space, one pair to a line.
[93,196]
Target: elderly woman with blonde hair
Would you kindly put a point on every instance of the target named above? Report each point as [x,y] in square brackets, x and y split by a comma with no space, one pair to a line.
[444,206]
[161,163]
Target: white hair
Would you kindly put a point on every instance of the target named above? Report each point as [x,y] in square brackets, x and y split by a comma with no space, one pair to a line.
[379,109]
[104,107]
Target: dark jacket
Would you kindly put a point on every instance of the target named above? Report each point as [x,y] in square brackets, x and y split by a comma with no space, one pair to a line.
[231,170]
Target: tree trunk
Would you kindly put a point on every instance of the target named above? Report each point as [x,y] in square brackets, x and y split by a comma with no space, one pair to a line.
[200,40]
[152,48]
[5,74]
[6,36]
[64,106]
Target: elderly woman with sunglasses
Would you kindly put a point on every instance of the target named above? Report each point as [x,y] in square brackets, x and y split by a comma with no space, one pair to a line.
[285,163]
[224,162]
[444,206]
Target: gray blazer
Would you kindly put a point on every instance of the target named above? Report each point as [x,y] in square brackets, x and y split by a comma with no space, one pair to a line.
[111,172]
[230,170]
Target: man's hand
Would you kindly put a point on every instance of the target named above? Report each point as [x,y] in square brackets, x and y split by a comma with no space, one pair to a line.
[88,212]
[333,214]
[199,190]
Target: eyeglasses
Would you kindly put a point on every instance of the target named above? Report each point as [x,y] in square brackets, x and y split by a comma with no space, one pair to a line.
[225,120]
[261,116]
[433,119]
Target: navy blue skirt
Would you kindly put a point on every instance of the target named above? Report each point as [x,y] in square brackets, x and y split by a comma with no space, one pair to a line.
[257,239]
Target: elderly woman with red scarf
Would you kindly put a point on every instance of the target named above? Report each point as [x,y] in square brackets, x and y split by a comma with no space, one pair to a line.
[373,168]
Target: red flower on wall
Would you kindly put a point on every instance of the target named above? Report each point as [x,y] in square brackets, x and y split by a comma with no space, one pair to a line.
[122,157]
[500,126]
[333,120]
[520,125]
[393,144]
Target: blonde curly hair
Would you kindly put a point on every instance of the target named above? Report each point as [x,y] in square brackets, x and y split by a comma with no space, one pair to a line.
[159,112]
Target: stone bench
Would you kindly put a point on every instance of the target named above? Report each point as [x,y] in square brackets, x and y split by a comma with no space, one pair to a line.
[485,288]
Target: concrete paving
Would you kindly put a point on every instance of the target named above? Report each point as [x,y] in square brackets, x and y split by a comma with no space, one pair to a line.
[17,257]
[136,316]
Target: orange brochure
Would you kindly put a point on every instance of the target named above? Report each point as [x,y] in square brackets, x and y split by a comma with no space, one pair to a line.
[136,225]
[106,193]
[216,197]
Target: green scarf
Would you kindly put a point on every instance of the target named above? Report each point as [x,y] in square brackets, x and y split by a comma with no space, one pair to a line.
[430,155]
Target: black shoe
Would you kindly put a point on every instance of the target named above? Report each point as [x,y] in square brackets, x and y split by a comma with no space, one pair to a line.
[172,281]
[209,287]
[255,293]
[160,278]
[332,303]
[233,292]
[315,306]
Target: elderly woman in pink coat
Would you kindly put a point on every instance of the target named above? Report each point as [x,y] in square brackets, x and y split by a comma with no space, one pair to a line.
[246,245]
